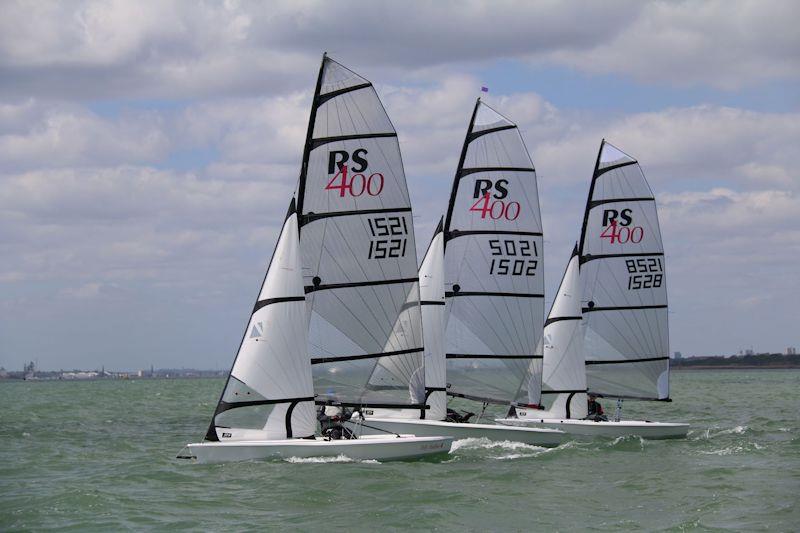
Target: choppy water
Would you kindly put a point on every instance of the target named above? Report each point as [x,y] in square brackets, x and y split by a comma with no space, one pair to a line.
[100,456]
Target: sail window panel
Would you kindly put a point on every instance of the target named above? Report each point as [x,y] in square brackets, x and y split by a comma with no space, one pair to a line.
[622,182]
[626,334]
[246,417]
[512,204]
[352,113]
[357,381]
[530,391]
[486,379]
[495,263]
[646,380]
[625,227]
[493,325]
[498,149]
[611,155]
[374,177]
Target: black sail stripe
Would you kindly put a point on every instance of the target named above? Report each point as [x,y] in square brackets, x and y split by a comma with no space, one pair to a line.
[462,233]
[560,319]
[227,406]
[311,216]
[270,301]
[595,203]
[475,134]
[466,171]
[432,302]
[451,294]
[624,361]
[622,308]
[316,143]
[321,99]
[374,405]
[331,359]
[602,171]
[489,356]
[564,391]
[590,257]
[330,286]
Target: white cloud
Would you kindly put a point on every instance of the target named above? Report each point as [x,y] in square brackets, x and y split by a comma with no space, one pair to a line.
[173,49]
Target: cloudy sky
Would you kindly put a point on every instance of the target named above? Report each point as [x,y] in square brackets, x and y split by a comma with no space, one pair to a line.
[148,149]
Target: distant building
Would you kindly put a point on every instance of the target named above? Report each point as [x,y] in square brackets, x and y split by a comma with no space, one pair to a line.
[791,350]
[677,355]
[749,351]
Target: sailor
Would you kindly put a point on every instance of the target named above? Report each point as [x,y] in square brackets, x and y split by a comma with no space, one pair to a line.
[331,419]
[595,409]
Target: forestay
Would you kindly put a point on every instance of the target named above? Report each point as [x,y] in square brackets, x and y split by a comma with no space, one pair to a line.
[624,283]
[358,251]
[269,394]
[493,266]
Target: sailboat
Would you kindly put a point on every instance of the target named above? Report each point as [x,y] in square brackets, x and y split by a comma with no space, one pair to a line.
[481,292]
[332,325]
[607,331]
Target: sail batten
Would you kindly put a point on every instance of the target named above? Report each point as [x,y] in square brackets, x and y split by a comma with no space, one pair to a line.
[622,269]
[493,266]
[359,255]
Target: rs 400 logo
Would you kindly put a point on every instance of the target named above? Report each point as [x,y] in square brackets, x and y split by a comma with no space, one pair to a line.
[491,200]
[352,182]
[617,227]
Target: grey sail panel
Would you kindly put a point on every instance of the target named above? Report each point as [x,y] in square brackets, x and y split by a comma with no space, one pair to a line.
[624,283]
[358,250]
[493,267]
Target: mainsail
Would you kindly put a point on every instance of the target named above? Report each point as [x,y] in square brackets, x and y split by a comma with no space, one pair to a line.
[493,266]
[269,394]
[623,283]
[564,373]
[358,251]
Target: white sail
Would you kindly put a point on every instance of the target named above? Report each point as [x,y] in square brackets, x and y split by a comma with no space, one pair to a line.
[493,266]
[564,372]
[431,287]
[359,256]
[269,393]
[623,283]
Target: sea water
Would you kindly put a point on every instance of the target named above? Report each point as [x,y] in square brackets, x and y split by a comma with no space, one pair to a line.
[100,455]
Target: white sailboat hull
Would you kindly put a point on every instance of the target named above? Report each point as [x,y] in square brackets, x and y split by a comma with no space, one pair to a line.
[381,448]
[610,429]
[526,435]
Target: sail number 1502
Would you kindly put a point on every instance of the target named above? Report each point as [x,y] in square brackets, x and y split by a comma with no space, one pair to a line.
[510,257]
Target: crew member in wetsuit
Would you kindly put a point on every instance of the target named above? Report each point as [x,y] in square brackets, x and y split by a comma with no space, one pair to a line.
[596,412]
[331,418]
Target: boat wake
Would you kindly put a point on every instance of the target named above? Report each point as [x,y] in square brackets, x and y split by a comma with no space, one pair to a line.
[506,449]
[711,433]
[341,458]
